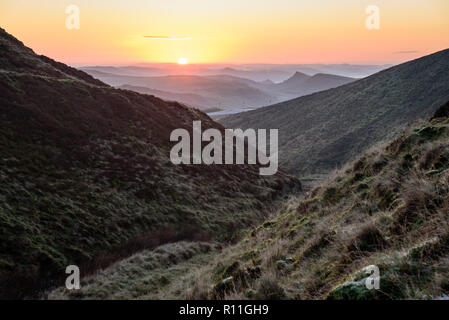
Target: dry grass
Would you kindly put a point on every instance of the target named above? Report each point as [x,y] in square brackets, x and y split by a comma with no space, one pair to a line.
[388,208]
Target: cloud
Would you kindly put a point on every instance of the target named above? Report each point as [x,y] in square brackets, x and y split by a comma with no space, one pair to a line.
[406,52]
[168,38]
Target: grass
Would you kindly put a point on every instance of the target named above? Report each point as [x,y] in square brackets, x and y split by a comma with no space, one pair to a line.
[384,209]
[323,131]
[144,275]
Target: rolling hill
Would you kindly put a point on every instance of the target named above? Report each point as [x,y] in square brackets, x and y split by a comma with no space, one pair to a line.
[86,177]
[255,72]
[220,91]
[388,208]
[223,92]
[321,131]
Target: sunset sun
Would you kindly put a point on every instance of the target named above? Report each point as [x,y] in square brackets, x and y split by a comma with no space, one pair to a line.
[182,61]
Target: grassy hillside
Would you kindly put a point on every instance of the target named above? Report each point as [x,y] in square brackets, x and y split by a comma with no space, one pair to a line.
[322,131]
[149,274]
[86,178]
[302,84]
[388,208]
[190,99]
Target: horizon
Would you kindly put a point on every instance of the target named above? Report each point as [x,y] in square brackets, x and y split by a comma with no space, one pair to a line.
[269,32]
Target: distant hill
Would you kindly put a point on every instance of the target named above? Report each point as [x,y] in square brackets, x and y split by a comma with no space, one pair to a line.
[86,178]
[255,72]
[388,208]
[302,84]
[190,99]
[125,71]
[267,82]
[321,131]
[224,91]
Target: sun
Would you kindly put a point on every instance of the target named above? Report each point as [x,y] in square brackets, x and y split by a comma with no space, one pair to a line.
[182,61]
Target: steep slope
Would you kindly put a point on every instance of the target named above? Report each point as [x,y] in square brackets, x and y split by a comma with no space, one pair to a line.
[86,178]
[388,208]
[321,131]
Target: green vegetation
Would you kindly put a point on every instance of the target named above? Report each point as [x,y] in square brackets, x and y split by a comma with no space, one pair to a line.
[325,130]
[86,178]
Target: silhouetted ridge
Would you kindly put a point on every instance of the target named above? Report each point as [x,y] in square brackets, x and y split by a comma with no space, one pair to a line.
[322,131]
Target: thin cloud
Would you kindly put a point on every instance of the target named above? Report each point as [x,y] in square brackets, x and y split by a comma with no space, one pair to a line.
[405,52]
[168,38]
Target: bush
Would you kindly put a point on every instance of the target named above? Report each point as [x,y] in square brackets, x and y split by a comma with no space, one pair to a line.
[270,290]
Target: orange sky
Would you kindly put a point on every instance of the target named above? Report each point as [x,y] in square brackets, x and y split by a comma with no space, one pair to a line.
[232,31]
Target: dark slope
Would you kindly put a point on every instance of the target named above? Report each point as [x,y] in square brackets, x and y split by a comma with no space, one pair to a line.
[389,208]
[321,131]
[85,170]
[191,99]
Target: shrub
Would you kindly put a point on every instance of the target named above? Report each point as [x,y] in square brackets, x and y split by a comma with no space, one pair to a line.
[269,289]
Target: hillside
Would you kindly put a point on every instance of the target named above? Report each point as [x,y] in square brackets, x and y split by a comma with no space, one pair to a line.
[293,83]
[301,84]
[86,178]
[322,131]
[222,91]
[388,208]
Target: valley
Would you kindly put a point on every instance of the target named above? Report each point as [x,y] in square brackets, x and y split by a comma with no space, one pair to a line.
[214,180]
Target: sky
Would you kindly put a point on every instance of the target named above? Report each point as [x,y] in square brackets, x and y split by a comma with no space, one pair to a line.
[231,31]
